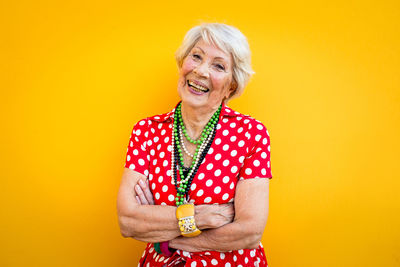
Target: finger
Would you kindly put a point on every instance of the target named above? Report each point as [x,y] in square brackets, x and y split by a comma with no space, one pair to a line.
[229,206]
[151,200]
[138,200]
[147,193]
[140,193]
[224,206]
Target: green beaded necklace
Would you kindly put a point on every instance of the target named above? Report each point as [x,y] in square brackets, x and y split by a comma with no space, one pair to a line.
[202,142]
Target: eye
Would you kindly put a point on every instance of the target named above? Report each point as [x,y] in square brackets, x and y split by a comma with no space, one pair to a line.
[219,66]
[196,56]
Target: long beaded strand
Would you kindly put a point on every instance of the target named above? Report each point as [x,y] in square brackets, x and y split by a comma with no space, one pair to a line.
[203,145]
[183,144]
[184,187]
[205,133]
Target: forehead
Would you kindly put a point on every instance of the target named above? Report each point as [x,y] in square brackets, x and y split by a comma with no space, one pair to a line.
[212,51]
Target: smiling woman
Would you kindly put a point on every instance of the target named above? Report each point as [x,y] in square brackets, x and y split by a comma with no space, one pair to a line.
[196,179]
[205,77]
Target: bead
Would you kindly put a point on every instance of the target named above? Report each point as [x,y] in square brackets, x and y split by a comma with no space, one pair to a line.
[202,146]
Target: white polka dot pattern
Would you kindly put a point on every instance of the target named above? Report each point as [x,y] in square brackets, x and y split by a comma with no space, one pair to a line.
[241,150]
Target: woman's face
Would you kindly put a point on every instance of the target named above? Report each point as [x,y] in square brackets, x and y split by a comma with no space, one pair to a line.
[205,78]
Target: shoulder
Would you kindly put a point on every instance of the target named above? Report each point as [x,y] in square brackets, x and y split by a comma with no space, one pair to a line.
[155,119]
[236,119]
[153,127]
[160,118]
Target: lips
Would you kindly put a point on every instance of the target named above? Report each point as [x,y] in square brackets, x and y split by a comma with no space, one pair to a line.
[197,87]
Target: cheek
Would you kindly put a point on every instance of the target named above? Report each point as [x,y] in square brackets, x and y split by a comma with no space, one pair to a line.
[187,67]
[222,83]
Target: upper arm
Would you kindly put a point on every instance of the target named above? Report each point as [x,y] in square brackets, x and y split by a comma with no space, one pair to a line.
[126,200]
[251,203]
[137,156]
[257,163]
[252,190]
[136,167]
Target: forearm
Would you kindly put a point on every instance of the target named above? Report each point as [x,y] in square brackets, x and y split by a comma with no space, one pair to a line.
[232,236]
[150,223]
[141,219]
[155,223]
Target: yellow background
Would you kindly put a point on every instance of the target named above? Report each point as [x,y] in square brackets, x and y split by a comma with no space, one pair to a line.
[75,77]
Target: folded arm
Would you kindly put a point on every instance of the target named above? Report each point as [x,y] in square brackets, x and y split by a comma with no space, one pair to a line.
[245,232]
[141,220]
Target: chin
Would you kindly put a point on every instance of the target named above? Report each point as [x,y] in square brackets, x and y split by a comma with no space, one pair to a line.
[193,102]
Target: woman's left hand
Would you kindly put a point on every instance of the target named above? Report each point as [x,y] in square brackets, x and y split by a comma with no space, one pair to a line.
[144,195]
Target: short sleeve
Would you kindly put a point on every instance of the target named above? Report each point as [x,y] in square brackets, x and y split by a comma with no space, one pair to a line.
[137,157]
[257,163]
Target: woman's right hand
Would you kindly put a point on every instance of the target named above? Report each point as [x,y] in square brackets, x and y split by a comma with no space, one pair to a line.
[143,193]
[206,216]
[214,215]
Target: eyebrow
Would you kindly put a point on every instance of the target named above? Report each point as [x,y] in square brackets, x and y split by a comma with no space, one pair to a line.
[215,57]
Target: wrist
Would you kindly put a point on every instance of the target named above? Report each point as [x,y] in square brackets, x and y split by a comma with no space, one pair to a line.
[187,224]
[199,221]
[203,221]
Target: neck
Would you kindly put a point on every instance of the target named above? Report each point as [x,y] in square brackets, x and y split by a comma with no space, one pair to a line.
[195,119]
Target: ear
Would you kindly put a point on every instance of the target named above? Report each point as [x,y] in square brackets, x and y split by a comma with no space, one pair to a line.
[233,89]
[230,92]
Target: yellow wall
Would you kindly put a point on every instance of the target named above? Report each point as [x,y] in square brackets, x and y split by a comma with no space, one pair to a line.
[75,76]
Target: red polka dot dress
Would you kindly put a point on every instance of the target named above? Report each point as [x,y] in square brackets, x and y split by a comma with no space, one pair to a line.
[240,150]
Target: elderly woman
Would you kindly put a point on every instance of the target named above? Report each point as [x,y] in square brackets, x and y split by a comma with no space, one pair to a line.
[195,184]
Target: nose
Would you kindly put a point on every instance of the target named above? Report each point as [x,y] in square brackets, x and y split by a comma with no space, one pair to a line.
[201,70]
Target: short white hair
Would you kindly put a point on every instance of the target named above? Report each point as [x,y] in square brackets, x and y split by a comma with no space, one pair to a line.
[227,38]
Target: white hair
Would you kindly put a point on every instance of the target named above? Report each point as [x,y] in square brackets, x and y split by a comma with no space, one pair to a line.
[227,38]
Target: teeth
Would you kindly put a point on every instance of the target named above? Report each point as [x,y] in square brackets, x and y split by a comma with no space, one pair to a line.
[197,90]
[198,87]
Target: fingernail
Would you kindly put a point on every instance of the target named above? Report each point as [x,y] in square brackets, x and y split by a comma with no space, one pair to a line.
[142,183]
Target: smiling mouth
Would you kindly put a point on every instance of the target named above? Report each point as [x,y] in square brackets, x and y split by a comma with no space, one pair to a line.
[197,87]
